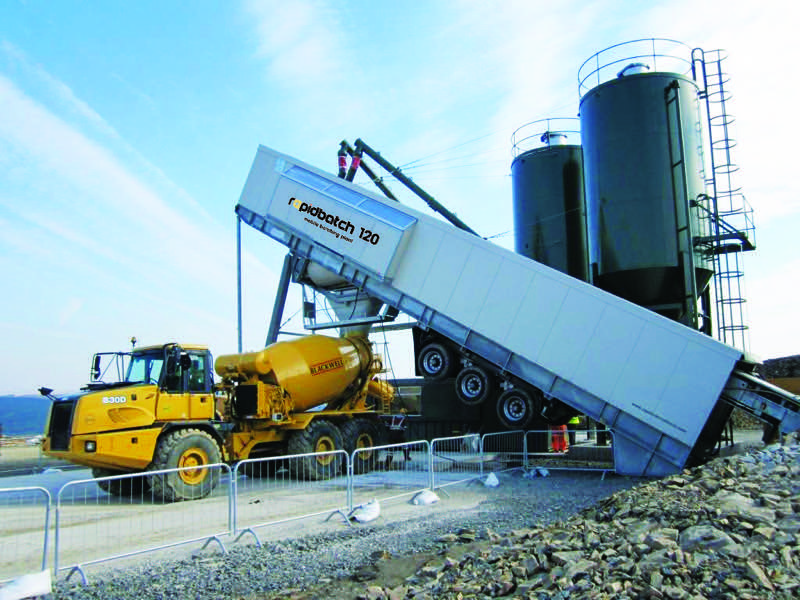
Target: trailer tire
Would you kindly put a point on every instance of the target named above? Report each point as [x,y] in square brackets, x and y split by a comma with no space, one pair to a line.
[516,409]
[473,385]
[360,434]
[185,448]
[131,487]
[435,362]
[320,436]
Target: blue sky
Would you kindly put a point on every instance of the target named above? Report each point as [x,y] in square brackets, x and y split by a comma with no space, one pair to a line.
[127,130]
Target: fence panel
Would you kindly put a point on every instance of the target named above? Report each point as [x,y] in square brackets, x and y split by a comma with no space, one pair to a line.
[25,526]
[577,450]
[108,518]
[389,472]
[503,451]
[266,490]
[455,460]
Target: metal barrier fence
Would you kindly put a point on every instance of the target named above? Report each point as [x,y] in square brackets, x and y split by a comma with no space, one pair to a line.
[455,460]
[24,512]
[578,450]
[388,472]
[124,517]
[503,451]
[265,490]
[96,518]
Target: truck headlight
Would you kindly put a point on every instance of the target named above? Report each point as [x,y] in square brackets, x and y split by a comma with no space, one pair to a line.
[89,446]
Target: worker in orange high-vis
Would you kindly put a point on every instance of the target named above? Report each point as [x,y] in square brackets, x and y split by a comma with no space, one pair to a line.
[558,438]
[572,429]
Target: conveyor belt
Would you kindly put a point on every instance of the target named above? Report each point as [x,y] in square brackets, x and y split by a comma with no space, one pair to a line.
[654,382]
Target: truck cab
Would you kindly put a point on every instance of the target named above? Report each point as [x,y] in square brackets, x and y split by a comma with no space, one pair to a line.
[115,420]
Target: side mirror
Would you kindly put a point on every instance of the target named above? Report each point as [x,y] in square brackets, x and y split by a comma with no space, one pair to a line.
[95,374]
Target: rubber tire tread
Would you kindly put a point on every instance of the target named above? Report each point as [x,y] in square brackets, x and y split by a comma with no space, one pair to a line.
[351,430]
[487,387]
[527,418]
[122,488]
[169,486]
[304,442]
[447,360]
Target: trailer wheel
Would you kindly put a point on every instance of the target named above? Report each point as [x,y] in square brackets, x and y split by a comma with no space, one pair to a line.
[360,434]
[473,385]
[130,487]
[319,436]
[435,362]
[185,448]
[515,409]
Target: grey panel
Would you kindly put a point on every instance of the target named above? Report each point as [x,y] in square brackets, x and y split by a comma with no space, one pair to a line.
[654,386]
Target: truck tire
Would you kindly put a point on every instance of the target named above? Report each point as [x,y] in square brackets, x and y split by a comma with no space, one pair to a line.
[185,448]
[359,434]
[435,362]
[131,487]
[516,409]
[320,436]
[265,469]
[473,385]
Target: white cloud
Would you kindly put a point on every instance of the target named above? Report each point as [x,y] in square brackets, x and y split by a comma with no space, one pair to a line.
[300,40]
[95,249]
[59,91]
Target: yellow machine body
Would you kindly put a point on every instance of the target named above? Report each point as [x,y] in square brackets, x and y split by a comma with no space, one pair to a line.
[264,398]
[117,427]
[121,426]
[312,371]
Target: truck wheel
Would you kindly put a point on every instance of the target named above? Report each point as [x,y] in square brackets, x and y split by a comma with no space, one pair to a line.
[319,436]
[473,385]
[131,487]
[515,409]
[185,448]
[434,362]
[360,434]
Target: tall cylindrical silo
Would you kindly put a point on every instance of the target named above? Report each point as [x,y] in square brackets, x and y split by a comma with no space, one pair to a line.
[643,169]
[549,206]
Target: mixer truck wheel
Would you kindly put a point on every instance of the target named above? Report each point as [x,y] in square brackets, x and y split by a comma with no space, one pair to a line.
[435,362]
[130,487]
[515,409]
[185,448]
[473,385]
[360,434]
[320,436]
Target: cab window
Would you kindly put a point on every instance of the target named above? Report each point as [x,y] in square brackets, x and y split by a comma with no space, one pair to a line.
[197,379]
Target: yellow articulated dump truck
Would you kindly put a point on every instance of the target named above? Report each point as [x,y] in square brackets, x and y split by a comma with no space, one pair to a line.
[164,410]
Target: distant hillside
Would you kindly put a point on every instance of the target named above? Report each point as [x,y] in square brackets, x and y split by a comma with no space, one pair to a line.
[23,415]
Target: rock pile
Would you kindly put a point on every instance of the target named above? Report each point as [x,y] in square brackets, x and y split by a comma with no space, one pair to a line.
[726,530]
[787,366]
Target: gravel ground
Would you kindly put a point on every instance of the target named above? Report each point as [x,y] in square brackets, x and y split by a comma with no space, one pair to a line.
[337,565]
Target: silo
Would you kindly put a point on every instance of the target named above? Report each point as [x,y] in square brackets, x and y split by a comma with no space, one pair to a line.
[548,201]
[643,162]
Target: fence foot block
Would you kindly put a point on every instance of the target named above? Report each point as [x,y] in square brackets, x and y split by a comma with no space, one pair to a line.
[251,532]
[214,538]
[342,514]
[77,569]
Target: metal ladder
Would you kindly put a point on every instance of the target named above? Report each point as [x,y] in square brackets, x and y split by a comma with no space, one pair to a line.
[728,215]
